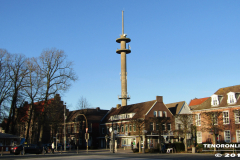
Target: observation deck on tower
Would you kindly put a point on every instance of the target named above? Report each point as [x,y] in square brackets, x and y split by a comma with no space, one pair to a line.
[123,49]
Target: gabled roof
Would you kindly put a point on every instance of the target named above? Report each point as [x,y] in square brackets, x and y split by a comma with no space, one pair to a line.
[140,109]
[93,115]
[195,102]
[175,107]
[223,102]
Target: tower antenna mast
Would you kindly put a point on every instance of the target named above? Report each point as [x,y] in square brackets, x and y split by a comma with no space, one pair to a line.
[122,23]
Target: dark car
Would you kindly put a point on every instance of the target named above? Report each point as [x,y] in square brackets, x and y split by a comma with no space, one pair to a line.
[28,148]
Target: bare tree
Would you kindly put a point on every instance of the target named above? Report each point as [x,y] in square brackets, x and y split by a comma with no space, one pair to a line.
[210,123]
[32,90]
[139,124]
[83,103]
[159,128]
[5,83]
[183,122]
[58,74]
[17,74]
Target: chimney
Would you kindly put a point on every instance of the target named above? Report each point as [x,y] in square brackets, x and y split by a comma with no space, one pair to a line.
[118,106]
[98,109]
[159,99]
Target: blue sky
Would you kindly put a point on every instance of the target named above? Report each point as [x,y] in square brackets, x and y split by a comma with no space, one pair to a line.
[180,49]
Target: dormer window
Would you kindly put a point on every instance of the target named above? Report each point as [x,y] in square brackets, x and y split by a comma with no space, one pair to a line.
[232,97]
[216,99]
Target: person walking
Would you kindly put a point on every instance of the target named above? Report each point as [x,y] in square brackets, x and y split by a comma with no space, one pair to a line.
[53,147]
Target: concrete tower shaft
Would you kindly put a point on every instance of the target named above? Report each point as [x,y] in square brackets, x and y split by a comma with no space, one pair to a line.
[123,51]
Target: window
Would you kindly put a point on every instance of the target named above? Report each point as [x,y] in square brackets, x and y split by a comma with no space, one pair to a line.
[227,137]
[238,135]
[130,128]
[163,127]
[164,114]
[118,128]
[160,113]
[199,137]
[198,119]
[75,128]
[151,126]
[155,113]
[225,117]
[122,128]
[215,101]
[126,128]
[157,127]
[231,98]
[215,118]
[237,116]
[134,127]
[169,127]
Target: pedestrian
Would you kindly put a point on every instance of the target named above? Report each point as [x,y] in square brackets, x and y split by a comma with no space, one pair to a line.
[52,147]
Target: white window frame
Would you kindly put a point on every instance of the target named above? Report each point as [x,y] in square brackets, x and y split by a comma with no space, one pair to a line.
[237,117]
[231,98]
[214,100]
[238,135]
[130,128]
[154,113]
[226,118]
[75,128]
[164,127]
[165,113]
[169,125]
[118,129]
[215,119]
[199,137]
[152,124]
[198,119]
[122,128]
[160,113]
[227,136]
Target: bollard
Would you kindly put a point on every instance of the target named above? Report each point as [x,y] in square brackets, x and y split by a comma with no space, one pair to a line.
[77,149]
[70,147]
[23,150]
[2,152]
[61,150]
[43,151]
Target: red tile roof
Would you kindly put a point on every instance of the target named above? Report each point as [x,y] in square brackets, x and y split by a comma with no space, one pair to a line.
[196,101]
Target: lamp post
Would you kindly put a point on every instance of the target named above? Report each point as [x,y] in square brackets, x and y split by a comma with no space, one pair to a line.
[106,138]
[64,126]
[86,134]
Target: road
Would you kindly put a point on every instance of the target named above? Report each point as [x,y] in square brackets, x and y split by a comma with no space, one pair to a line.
[120,155]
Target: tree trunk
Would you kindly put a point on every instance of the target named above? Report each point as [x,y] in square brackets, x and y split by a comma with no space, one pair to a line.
[139,144]
[185,142]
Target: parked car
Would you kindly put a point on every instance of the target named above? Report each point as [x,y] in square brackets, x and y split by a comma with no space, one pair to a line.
[28,148]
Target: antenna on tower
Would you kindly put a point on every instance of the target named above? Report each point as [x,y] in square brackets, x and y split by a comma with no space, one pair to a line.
[122,23]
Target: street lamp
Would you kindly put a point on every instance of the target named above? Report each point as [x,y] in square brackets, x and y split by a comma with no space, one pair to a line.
[64,117]
[86,134]
[106,138]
